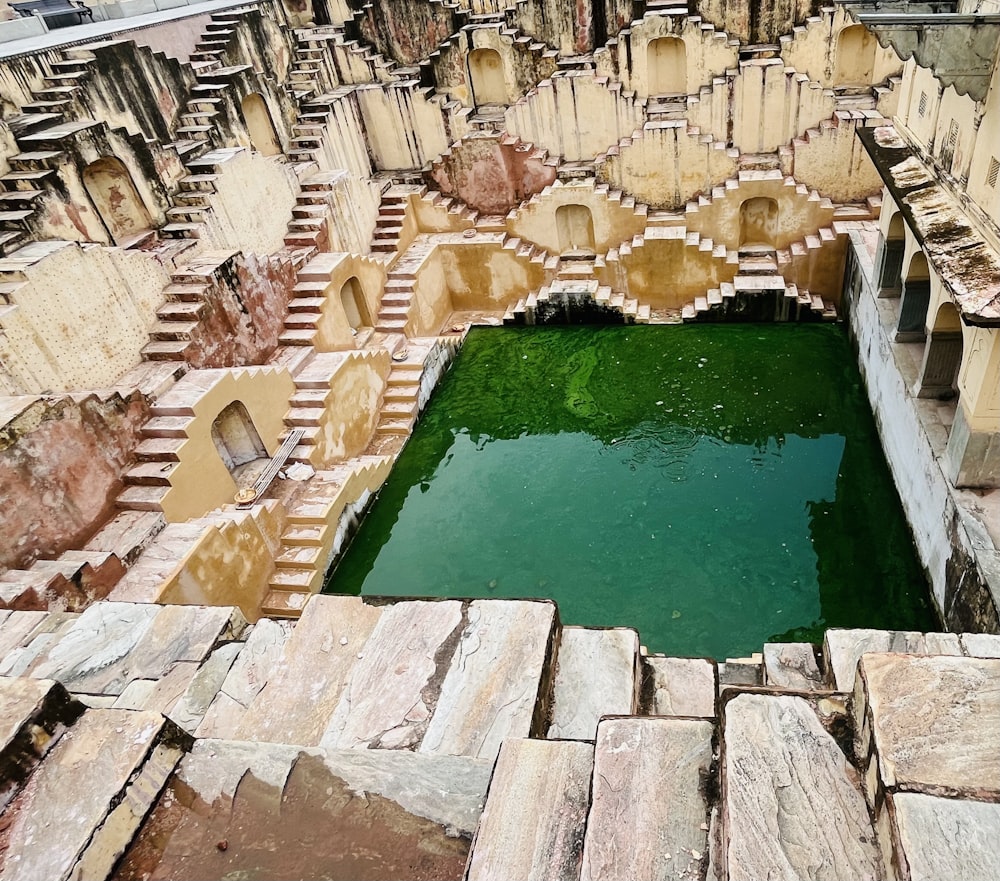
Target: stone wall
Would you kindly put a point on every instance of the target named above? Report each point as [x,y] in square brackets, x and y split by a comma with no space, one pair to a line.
[61,461]
[960,559]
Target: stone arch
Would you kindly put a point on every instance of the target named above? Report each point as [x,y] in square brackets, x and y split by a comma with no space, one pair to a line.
[575,228]
[942,356]
[666,66]
[260,126]
[855,56]
[486,76]
[352,298]
[759,221]
[114,196]
[916,297]
[890,258]
[236,438]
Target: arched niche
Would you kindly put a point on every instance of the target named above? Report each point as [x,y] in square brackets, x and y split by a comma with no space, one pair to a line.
[666,66]
[855,60]
[759,222]
[235,437]
[942,356]
[575,228]
[916,297]
[486,75]
[890,258]
[259,125]
[114,196]
[352,299]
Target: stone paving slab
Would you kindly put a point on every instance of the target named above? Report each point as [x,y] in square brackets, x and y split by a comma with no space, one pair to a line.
[392,689]
[680,687]
[942,838]
[595,677]
[532,827]
[792,666]
[304,689]
[791,803]
[79,810]
[842,649]
[34,713]
[648,817]
[981,645]
[933,722]
[284,811]
[249,673]
[495,680]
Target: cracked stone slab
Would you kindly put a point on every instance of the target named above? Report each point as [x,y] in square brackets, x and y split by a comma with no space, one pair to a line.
[792,665]
[648,818]
[680,687]
[117,761]
[981,645]
[791,803]
[251,670]
[595,677]
[93,655]
[493,685]
[305,686]
[937,838]
[934,722]
[393,688]
[287,811]
[532,827]
[842,649]
[34,713]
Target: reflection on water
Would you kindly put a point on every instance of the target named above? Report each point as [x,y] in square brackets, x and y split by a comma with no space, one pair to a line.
[712,487]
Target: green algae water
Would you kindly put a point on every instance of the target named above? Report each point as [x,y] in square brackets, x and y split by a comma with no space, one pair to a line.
[714,487]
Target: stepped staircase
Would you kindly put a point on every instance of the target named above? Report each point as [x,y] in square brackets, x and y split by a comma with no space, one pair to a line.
[317,527]
[71,581]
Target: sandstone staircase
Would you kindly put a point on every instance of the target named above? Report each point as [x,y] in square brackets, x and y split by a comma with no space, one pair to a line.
[71,581]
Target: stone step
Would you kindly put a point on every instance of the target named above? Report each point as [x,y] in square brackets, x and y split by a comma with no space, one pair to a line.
[533,822]
[142,498]
[791,803]
[392,689]
[149,474]
[678,687]
[649,809]
[792,666]
[842,649]
[118,762]
[596,675]
[36,713]
[284,604]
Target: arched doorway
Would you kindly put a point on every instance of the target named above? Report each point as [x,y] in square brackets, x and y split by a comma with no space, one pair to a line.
[352,298]
[758,222]
[259,125]
[575,228]
[916,297]
[115,198]
[855,57]
[943,356]
[666,66]
[890,260]
[486,75]
[235,437]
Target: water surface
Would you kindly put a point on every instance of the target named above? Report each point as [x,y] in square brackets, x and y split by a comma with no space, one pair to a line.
[713,487]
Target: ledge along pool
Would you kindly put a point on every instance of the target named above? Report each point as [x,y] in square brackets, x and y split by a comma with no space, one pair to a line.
[714,487]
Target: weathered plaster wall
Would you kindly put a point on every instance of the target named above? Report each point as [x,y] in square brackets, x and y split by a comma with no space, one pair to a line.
[832,160]
[333,330]
[79,319]
[613,223]
[247,299]
[252,203]
[667,164]
[707,53]
[575,117]
[351,407]
[753,22]
[200,481]
[961,564]
[492,174]
[61,461]
[485,275]
[175,39]
[231,562]
[405,32]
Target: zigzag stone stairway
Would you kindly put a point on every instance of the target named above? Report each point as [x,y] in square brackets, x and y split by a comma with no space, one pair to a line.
[447,739]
